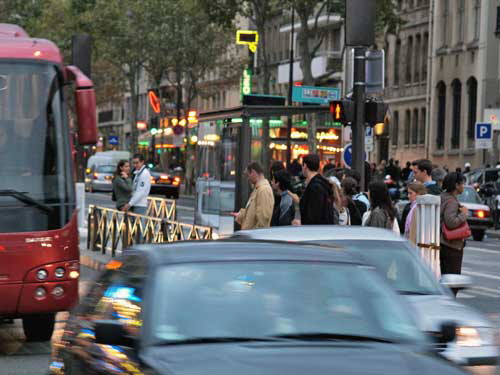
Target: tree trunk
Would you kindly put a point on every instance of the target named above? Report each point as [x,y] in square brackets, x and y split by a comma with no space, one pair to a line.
[134,107]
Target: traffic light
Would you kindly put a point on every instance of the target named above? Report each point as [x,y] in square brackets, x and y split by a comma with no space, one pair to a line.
[342,111]
[375,112]
[153,123]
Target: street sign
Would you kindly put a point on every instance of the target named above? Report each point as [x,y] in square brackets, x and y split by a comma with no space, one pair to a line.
[374,71]
[369,147]
[492,115]
[316,95]
[113,140]
[369,136]
[484,135]
[347,155]
[248,37]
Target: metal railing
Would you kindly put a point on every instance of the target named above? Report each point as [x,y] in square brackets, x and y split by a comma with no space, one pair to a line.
[162,208]
[428,216]
[110,230]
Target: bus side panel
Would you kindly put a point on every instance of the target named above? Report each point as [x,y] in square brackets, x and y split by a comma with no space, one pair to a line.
[10,295]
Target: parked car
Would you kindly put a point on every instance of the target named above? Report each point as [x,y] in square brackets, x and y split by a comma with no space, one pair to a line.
[166,184]
[240,307]
[479,214]
[400,264]
[101,178]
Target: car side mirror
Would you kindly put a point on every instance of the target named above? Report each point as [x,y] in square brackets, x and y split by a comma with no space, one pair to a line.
[111,332]
[448,332]
[456,282]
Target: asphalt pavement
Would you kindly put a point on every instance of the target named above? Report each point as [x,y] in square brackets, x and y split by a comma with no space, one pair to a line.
[481,263]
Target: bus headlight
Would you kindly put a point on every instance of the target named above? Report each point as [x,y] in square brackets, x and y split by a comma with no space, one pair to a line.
[42,274]
[59,272]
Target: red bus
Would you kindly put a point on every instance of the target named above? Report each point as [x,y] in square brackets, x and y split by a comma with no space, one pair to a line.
[39,247]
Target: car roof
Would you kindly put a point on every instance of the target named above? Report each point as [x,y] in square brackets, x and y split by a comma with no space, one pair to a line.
[320,233]
[238,250]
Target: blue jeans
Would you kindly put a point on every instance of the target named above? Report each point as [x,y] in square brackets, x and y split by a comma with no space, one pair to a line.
[139,210]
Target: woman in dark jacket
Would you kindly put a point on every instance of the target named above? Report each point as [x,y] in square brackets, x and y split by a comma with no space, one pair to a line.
[284,209]
[453,215]
[382,212]
[349,188]
[122,184]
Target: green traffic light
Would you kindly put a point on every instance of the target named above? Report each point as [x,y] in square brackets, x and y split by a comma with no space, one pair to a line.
[153,131]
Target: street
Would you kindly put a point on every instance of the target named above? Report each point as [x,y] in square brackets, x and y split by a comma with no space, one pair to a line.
[481,261]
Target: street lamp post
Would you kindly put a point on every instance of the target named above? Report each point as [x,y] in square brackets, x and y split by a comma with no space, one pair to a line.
[290,87]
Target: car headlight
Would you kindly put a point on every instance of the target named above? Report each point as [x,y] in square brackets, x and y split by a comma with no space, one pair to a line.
[470,336]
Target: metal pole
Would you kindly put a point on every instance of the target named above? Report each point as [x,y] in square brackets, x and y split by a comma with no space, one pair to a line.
[358,128]
[290,87]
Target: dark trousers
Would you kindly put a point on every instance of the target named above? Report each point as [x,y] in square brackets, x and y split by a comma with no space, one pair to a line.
[451,260]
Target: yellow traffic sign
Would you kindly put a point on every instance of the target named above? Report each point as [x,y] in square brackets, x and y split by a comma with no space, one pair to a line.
[248,37]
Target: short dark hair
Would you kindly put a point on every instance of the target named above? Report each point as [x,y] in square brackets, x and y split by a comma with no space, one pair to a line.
[312,162]
[138,156]
[350,186]
[425,165]
[283,178]
[354,174]
[328,167]
[415,162]
[451,180]
[275,167]
[254,166]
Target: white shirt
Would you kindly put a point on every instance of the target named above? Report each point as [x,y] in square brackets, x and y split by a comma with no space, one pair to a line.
[142,187]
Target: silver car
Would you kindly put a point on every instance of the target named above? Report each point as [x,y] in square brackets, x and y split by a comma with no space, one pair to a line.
[101,179]
[400,263]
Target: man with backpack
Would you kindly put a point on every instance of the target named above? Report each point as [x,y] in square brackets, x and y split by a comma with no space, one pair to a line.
[317,202]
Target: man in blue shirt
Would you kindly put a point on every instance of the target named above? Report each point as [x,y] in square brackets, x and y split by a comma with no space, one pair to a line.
[423,173]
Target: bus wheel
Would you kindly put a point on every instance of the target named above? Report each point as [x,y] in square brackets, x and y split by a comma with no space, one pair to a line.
[39,327]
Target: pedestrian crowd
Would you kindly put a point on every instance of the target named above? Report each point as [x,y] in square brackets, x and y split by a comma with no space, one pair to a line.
[333,196]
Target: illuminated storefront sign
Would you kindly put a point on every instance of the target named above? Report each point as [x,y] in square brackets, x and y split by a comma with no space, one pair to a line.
[246,82]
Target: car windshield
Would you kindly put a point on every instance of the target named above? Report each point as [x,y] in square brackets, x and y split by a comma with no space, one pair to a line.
[106,169]
[265,299]
[492,176]
[469,196]
[395,261]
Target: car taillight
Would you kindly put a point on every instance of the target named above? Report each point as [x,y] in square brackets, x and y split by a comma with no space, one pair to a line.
[153,181]
[177,181]
[95,176]
[481,214]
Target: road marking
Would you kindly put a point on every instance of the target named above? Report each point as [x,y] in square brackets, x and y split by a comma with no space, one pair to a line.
[485,275]
[482,250]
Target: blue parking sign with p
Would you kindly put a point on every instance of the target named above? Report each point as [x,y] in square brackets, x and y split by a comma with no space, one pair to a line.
[483,131]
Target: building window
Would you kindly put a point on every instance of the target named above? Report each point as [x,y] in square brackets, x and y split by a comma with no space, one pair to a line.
[472,110]
[460,21]
[446,15]
[397,61]
[407,127]
[456,87]
[425,47]
[414,130]
[409,58]
[441,114]
[477,18]
[395,129]
[421,129]
[418,58]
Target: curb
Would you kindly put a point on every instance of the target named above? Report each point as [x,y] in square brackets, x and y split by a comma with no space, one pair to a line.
[493,234]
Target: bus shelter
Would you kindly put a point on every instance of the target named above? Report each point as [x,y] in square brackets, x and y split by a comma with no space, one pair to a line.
[229,139]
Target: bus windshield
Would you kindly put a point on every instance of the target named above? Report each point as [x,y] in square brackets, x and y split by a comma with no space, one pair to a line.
[36,181]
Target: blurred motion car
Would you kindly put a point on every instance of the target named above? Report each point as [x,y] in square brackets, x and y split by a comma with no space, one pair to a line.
[100,178]
[481,176]
[478,214]
[399,262]
[240,307]
[166,184]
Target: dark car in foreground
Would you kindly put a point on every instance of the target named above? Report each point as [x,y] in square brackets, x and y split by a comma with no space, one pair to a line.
[246,308]
[399,262]
[166,184]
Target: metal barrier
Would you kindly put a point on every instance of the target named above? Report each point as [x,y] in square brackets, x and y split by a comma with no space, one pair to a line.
[110,230]
[428,217]
[162,208]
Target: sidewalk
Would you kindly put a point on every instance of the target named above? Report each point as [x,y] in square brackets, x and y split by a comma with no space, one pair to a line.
[492,233]
[92,259]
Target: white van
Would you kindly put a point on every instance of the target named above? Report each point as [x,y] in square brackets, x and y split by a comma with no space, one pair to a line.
[105,161]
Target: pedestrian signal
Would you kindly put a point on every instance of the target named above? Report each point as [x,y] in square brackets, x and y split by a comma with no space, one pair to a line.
[342,111]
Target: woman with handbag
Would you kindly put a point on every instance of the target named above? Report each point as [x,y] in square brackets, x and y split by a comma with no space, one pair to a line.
[454,227]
